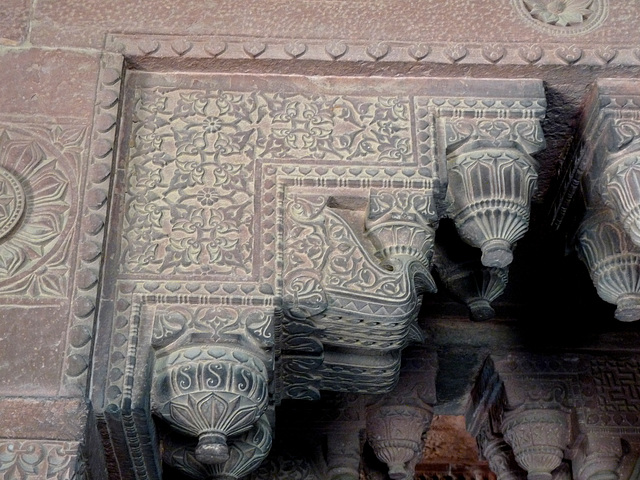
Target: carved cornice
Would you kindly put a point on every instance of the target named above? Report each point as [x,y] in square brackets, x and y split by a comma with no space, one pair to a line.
[141,47]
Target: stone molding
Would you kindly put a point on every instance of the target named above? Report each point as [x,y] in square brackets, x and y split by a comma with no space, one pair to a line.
[149,47]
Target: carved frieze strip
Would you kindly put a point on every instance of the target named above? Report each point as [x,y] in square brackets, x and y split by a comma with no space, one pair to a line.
[94,206]
[139,47]
[48,459]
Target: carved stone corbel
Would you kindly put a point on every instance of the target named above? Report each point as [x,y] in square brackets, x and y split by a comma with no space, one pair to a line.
[538,437]
[343,454]
[500,456]
[212,392]
[471,282]
[613,261]
[245,453]
[597,458]
[397,423]
[492,174]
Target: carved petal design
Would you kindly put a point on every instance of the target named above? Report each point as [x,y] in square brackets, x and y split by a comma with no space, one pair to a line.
[490,194]
[613,261]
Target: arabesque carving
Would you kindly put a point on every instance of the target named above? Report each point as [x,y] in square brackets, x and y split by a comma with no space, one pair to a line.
[274,243]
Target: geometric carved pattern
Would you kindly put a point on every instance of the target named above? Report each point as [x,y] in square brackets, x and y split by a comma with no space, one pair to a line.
[614,385]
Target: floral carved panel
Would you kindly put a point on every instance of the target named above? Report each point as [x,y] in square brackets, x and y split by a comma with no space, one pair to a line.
[38,188]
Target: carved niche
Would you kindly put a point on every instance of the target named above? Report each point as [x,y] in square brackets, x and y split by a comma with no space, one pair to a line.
[274,242]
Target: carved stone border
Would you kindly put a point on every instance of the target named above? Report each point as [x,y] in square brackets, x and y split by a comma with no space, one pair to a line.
[93,208]
[248,48]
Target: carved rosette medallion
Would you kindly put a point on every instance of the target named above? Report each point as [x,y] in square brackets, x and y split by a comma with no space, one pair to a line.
[12,202]
[563,17]
[36,203]
[211,392]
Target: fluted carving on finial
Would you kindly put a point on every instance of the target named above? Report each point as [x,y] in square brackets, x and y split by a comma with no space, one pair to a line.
[613,261]
[538,437]
[490,194]
[500,456]
[597,457]
[472,283]
[401,225]
[246,452]
[621,184]
[211,392]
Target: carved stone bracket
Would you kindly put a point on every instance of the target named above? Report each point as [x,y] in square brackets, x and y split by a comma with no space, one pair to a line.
[613,261]
[397,423]
[597,458]
[274,243]
[538,438]
[212,392]
[610,134]
[492,177]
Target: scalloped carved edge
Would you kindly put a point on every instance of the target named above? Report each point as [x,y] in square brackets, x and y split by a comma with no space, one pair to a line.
[94,205]
[245,47]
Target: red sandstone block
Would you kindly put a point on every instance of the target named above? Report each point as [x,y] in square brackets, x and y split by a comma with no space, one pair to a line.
[14,21]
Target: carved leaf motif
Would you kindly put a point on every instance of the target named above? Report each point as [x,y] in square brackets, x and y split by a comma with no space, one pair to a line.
[336,49]
[570,55]
[419,51]
[167,327]
[378,51]
[215,48]
[493,53]
[295,49]
[607,54]
[531,54]
[456,53]
[255,48]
